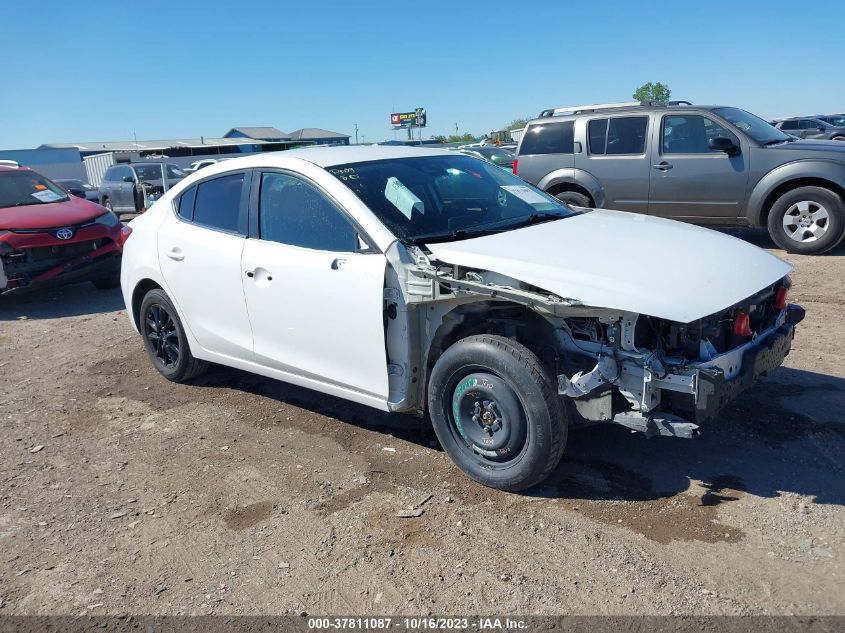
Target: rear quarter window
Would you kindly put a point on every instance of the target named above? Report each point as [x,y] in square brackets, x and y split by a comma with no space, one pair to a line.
[548,138]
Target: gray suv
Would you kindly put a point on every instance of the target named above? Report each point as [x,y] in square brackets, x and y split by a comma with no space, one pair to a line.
[811,127]
[710,165]
[132,187]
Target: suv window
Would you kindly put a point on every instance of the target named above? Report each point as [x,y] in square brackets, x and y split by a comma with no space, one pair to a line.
[789,125]
[810,124]
[691,134]
[218,203]
[293,212]
[549,138]
[618,135]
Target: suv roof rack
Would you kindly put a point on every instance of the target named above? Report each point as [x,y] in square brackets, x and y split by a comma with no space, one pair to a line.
[610,106]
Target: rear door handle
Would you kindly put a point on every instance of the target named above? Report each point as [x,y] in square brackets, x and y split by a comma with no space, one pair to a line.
[175,254]
[663,166]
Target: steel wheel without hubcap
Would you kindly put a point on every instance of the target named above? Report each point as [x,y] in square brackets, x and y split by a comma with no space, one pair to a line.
[488,418]
[162,337]
[806,221]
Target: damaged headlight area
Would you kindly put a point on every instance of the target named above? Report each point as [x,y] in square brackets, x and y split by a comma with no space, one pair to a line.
[649,374]
[665,378]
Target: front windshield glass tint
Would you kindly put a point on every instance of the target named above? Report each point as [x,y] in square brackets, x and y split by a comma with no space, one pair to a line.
[148,172]
[23,188]
[446,197]
[758,129]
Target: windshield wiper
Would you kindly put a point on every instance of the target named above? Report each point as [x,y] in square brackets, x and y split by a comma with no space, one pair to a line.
[535,218]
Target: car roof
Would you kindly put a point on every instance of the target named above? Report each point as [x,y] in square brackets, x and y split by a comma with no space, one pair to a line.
[622,111]
[4,168]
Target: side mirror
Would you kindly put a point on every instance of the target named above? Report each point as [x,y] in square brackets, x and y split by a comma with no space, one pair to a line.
[723,144]
[128,179]
[79,193]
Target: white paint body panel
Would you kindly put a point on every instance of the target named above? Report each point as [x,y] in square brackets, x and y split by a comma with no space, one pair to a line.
[626,261]
[320,319]
[205,285]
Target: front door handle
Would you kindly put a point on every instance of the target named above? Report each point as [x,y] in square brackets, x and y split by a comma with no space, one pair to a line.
[338,263]
[175,254]
[663,166]
[259,275]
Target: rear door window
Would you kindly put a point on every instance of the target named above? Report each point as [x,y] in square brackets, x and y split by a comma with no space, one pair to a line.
[618,136]
[548,138]
[186,204]
[218,203]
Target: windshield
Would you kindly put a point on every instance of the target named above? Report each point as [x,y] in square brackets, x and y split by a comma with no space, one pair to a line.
[22,188]
[434,198]
[838,121]
[758,129]
[498,156]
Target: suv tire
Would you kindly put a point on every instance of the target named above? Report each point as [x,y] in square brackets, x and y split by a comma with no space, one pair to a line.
[807,220]
[496,411]
[573,198]
[165,340]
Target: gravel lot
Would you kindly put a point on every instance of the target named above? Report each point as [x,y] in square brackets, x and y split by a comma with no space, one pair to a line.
[122,492]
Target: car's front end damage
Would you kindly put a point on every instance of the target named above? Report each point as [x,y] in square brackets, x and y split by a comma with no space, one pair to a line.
[660,373]
[31,258]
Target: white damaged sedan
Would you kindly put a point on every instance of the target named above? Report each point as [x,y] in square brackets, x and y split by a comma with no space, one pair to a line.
[431,282]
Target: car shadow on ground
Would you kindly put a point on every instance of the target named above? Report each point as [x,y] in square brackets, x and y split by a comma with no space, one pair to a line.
[63,301]
[758,445]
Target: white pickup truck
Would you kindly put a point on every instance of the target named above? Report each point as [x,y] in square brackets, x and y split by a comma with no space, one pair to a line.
[431,282]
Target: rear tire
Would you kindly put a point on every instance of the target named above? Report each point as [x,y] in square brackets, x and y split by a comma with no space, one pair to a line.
[496,411]
[165,340]
[807,220]
[573,198]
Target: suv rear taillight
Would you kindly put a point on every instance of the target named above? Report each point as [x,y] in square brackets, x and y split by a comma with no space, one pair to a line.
[515,163]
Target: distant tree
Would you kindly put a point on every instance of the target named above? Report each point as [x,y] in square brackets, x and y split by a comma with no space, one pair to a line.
[518,124]
[462,138]
[653,92]
[439,138]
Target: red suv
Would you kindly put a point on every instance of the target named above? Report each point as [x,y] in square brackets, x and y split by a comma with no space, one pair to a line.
[47,235]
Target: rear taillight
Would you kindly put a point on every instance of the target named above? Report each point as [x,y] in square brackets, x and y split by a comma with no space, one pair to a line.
[742,324]
[515,163]
[125,232]
[780,298]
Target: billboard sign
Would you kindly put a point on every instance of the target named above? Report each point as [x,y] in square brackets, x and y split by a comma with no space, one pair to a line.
[408,119]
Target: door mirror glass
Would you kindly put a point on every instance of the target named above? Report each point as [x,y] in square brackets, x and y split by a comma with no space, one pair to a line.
[723,144]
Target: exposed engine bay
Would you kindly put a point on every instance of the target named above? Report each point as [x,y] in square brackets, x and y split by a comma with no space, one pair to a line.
[649,374]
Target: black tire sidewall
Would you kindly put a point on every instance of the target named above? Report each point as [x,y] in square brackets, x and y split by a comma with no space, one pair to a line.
[180,370]
[836,227]
[543,414]
[573,198]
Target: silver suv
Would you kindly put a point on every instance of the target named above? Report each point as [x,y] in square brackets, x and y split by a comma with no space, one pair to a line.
[710,165]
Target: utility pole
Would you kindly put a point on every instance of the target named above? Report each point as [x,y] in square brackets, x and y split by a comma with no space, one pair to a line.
[356,134]
[456,129]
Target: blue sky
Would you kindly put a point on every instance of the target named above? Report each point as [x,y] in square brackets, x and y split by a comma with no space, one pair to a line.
[92,70]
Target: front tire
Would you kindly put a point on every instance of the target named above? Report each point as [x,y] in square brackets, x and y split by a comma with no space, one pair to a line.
[496,412]
[574,199]
[165,340]
[808,220]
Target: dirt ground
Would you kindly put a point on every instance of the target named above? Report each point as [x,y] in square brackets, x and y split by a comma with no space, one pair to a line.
[123,493]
